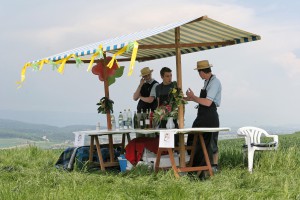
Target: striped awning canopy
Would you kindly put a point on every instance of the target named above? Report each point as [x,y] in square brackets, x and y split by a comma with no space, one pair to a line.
[195,35]
[191,35]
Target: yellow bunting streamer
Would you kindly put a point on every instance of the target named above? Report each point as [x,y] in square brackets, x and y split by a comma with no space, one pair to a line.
[93,57]
[23,73]
[117,64]
[42,62]
[61,68]
[63,63]
[111,62]
[121,51]
[133,57]
[91,62]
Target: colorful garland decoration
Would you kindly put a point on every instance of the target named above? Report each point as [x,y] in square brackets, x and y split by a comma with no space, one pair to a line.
[59,65]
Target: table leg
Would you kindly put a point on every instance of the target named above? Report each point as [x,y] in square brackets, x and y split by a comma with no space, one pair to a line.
[172,160]
[157,162]
[193,150]
[170,151]
[128,137]
[124,135]
[111,148]
[205,154]
[181,150]
[99,154]
[91,149]
[123,143]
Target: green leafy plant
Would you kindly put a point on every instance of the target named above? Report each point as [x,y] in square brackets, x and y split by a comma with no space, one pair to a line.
[171,108]
[105,105]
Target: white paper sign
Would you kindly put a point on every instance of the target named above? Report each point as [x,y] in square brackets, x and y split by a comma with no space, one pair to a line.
[79,140]
[166,139]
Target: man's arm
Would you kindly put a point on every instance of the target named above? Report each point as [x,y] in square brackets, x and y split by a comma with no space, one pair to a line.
[203,101]
[157,94]
[137,93]
[152,96]
[147,99]
[157,102]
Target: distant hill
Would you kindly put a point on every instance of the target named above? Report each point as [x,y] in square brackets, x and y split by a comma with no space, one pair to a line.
[30,131]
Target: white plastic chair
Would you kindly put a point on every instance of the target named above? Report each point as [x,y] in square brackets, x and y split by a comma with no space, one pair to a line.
[252,138]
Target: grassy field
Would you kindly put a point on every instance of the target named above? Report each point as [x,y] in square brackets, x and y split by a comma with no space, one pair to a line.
[10,142]
[7,143]
[29,173]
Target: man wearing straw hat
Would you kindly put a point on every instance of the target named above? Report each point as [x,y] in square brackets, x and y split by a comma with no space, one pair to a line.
[207,116]
[146,91]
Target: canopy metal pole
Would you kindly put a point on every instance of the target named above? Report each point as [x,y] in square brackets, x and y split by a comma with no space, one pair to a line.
[179,82]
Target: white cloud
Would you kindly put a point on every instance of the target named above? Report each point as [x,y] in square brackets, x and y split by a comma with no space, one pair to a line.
[290,63]
[94,26]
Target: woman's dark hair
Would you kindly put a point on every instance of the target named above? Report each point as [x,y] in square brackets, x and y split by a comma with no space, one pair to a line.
[206,70]
[163,70]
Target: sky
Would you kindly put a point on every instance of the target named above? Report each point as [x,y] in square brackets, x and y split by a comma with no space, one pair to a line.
[260,79]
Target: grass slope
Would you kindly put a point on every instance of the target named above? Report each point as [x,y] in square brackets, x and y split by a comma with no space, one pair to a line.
[29,174]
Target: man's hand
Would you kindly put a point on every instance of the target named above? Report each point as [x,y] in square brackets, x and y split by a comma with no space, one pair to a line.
[190,94]
[137,93]
[142,81]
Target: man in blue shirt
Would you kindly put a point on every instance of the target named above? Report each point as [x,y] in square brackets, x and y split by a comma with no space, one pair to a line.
[207,116]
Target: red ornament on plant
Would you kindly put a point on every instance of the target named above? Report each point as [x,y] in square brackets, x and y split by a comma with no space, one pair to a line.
[98,69]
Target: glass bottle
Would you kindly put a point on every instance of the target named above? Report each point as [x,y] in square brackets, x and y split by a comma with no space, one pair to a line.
[151,118]
[113,122]
[125,119]
[147,120]
[120,121]
[142,120]
[129,119]
[135,121]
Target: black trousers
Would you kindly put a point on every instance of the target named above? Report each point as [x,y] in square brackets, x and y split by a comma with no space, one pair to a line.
[206,117]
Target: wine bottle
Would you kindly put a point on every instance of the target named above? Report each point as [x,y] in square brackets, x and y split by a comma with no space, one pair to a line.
[151,119]
[147,120]
[135,121]
[142,120]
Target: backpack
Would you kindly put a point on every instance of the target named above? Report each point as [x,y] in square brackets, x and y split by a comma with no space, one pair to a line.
[78,156]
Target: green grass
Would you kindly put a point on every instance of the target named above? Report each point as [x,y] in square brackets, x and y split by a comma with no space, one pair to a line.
[10,142]
[20,142]
[29,173]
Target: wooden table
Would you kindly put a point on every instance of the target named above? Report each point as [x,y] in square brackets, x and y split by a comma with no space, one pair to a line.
[94,134]
[198,132]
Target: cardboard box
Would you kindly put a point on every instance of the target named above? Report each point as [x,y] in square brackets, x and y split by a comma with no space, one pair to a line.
[149,157]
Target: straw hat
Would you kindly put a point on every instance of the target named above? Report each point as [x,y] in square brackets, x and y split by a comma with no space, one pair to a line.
[203,64]
[145,71]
